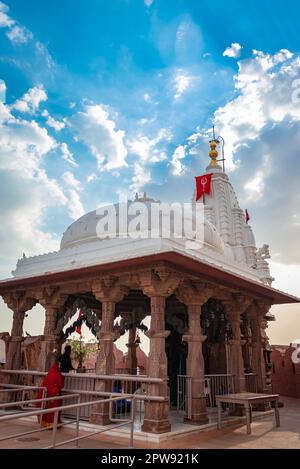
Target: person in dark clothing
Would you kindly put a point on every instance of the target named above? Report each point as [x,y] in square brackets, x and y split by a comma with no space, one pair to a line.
[65,360]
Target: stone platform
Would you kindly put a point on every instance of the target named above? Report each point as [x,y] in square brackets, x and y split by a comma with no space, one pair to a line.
[264,434]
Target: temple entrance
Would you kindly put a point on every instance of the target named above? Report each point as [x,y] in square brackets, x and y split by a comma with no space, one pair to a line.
[176,349]
[216,328]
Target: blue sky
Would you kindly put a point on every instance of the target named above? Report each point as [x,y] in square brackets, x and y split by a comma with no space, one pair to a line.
[101,99]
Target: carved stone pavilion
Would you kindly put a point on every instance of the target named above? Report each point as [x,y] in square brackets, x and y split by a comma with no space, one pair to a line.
[209,307]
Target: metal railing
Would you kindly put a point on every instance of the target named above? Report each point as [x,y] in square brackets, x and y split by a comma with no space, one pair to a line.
[184,397]
[218,384]
[85,370]
[251,382]
[107,398]
[37,403]
[213,385]
[16,388]
[56,424]
[87,384]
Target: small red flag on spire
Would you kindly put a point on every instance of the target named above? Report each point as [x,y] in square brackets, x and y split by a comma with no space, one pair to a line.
[247,216]
[203,185]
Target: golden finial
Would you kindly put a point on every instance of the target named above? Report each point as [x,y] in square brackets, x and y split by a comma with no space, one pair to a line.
[213,152]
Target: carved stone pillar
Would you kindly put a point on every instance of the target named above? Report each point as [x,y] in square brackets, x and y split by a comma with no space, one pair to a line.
[109,291]
[50,342]
[247,347]
[158,283]
[194,296]
[266,356]
[105,363]
[53,300]
[19,303]
[156,417]
[14,356]
[195,367]
[257,363]
[255,314]
[131,359]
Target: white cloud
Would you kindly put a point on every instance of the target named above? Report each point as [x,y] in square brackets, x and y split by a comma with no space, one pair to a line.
[97,130]
[16,33]
[182,82]
[147,97]
[188,41]
[5,20]
[141,176]
[148,3]
[261,130]
[75,206]
[19,34]
[43,54]
[283,55]
[264,83]
[71,181]
[2,91]
[149,151]
[30,101]
[254,187]
[26,192]
[67,155]
[176,163]
[23,145]
[91,177]
[233,51]
[51,122]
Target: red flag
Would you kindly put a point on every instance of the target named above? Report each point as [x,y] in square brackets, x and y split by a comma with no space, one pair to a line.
[247,216]
[203,185]
[78,328]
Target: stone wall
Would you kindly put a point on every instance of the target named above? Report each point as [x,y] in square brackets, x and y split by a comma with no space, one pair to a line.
[285,373]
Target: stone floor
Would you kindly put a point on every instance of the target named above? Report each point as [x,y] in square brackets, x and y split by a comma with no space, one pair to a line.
[264,435]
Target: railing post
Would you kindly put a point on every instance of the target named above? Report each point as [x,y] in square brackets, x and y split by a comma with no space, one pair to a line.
[77,420]
[132,416]
[54,428]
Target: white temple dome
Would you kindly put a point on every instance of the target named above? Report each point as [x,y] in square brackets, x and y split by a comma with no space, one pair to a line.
[86,228]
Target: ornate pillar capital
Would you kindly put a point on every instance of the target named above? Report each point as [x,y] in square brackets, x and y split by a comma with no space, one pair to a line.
[194,293]
[262,307]
[160,281]
[51,298]
[19,301]
[236,306]
[109,289]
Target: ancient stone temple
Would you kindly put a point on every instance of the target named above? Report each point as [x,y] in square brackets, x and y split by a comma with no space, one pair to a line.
[209,305]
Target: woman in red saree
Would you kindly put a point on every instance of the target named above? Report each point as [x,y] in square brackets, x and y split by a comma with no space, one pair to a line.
[54,382]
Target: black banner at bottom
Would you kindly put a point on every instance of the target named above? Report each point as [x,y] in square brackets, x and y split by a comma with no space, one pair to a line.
[136,458]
